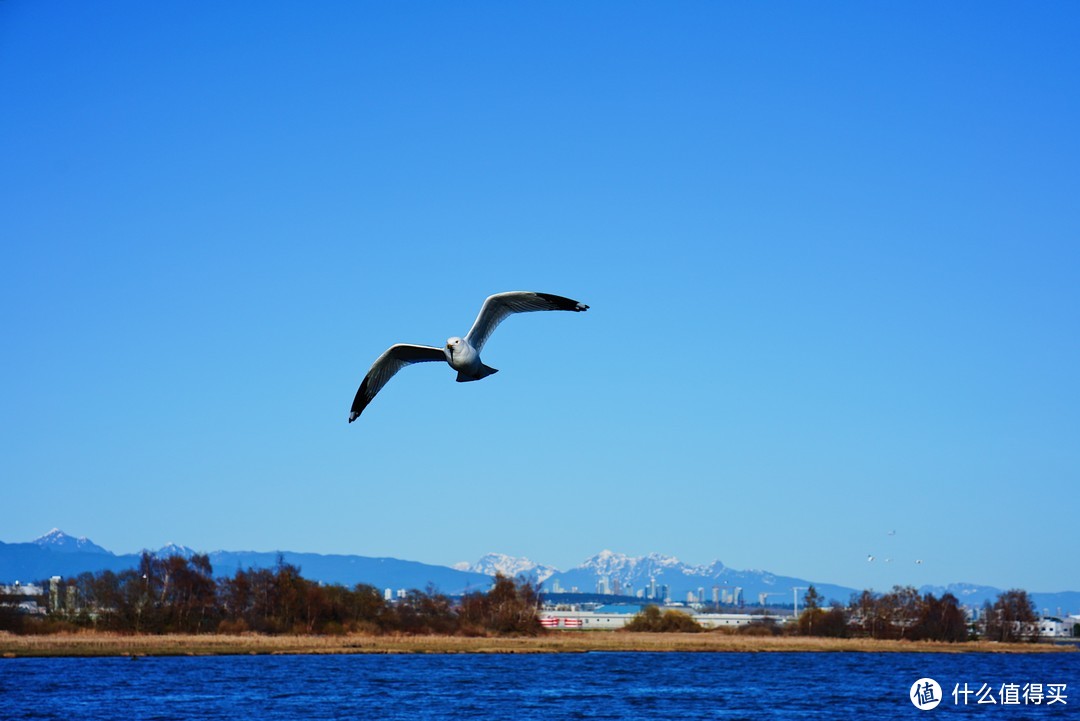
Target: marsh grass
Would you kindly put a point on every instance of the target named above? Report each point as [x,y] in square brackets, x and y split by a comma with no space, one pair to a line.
[106,644]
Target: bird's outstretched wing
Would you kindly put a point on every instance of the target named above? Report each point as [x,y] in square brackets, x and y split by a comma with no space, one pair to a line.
[500,305]
[385,366]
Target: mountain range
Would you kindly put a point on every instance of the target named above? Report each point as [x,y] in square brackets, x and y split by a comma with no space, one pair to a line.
[58,554]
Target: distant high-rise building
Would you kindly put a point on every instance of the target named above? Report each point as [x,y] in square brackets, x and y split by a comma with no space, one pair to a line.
[603,586]
[54,593]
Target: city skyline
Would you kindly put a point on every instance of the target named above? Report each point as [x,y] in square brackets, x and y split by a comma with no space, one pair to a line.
[652,578]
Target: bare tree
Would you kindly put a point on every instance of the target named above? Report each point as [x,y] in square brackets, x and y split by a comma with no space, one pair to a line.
[1011,618]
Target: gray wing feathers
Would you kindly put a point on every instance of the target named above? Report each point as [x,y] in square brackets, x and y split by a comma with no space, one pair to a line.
[497,307]
[385,366]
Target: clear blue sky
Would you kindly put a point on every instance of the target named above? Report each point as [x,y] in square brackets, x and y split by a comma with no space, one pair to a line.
[832,251]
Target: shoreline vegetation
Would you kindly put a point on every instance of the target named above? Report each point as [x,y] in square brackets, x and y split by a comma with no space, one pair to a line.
[98,643]
[175,606]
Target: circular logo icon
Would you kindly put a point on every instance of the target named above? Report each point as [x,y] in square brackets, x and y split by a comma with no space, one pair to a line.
[925,694]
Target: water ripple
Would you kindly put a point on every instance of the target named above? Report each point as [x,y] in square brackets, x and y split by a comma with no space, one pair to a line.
[625,686]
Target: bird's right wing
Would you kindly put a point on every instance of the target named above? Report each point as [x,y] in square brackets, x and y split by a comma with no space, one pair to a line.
[385,366]
[497,307]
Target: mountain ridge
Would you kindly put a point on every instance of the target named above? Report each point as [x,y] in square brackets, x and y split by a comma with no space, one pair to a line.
[57,553]
[57,540]
[491,563]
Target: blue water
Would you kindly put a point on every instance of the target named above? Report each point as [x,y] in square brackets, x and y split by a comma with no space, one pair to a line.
[557,686]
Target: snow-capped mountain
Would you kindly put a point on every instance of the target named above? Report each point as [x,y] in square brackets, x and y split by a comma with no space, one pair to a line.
[658,575]
[510,566]
[57,540]
[645,577]
[962,591]
[174,549]
[626,568]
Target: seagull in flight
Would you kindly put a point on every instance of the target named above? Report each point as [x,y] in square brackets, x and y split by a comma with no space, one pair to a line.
[463,354]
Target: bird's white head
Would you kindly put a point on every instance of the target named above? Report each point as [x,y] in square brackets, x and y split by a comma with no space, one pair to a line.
[459,354]
[454,348]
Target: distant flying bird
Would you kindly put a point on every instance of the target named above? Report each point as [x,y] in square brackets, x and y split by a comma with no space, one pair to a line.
[869,558]
[463,354]
[892,533]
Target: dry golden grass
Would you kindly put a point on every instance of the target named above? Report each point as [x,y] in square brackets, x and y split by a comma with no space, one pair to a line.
[104,644]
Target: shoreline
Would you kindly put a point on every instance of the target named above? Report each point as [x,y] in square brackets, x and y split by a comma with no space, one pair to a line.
[98,644]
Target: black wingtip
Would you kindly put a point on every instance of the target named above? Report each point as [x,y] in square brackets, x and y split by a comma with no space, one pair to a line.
[359,402]
[561,303]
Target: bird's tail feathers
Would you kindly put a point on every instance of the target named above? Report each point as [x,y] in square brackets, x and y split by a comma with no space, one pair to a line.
[484,372]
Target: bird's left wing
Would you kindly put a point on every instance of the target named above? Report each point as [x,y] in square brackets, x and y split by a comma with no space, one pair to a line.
[385,366]
[500,305]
